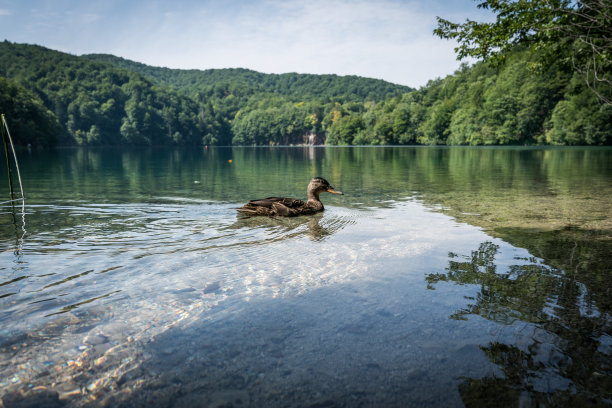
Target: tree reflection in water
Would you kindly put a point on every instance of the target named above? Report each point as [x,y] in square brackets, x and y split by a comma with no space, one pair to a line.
[566,358]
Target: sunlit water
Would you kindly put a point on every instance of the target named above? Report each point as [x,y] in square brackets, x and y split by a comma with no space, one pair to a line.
[444,277]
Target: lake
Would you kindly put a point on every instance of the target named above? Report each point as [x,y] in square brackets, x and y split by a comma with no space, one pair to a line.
[443,277]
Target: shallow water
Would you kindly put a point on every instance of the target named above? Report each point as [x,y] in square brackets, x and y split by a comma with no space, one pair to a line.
[444,277]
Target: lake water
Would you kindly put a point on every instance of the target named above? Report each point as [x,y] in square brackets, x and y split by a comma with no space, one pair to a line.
[443,277]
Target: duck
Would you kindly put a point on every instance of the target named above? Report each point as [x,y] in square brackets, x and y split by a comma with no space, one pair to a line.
[291,207]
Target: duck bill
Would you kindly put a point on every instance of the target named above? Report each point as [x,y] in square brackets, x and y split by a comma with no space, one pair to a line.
[333,191]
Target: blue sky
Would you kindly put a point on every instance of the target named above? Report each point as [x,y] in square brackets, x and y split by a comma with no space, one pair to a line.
[387,39]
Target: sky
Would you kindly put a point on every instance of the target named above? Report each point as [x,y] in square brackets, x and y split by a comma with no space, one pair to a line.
[384,39]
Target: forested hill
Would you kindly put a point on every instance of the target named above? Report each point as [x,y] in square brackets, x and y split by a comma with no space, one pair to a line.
[104,100]
[513,104]
[51,98]
[91,103]
[242,81]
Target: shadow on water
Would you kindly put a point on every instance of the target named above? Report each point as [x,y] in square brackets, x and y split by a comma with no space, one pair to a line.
[565,357]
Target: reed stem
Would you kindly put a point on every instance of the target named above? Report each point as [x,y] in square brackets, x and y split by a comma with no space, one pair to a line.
[6,154]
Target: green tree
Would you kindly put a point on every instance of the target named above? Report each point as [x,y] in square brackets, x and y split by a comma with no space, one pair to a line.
[28,120]
[578,30]
[580,119]
[436,128]
[344,130]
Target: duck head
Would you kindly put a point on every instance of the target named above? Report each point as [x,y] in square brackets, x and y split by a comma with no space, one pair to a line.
[319,185]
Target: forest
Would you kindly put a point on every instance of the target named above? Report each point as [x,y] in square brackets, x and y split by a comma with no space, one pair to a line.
[52,98]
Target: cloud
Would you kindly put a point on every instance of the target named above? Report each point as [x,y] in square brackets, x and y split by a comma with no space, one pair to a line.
[384,39]
[6,12]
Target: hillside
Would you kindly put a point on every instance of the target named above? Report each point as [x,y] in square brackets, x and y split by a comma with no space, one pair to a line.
[98,104]
[104,100]
[298,87]
[513,104]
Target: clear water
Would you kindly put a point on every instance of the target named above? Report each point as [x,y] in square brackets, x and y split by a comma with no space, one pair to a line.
[444,277]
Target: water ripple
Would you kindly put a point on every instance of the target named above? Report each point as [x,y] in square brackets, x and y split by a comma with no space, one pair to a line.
[139,240]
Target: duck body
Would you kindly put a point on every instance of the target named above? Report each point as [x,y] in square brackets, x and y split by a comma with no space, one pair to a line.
[291,207]
[285,207]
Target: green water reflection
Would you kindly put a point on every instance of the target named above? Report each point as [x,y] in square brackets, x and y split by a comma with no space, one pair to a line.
[556,202]
[566,361]
[493,187]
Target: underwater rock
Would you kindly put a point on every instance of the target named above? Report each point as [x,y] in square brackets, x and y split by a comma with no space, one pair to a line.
[96,339]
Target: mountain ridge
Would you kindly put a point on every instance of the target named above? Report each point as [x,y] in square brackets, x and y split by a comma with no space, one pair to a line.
[288,84]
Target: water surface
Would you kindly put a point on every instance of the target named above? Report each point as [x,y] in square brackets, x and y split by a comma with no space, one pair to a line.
[444,277]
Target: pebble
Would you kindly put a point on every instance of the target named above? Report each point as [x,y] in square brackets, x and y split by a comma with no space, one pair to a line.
[71,393]
[96,339]
[212,287]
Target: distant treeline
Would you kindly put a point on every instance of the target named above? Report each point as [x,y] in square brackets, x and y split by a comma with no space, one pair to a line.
[53,98]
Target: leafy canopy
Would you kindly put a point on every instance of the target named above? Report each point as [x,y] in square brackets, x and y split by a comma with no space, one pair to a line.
[577,33]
